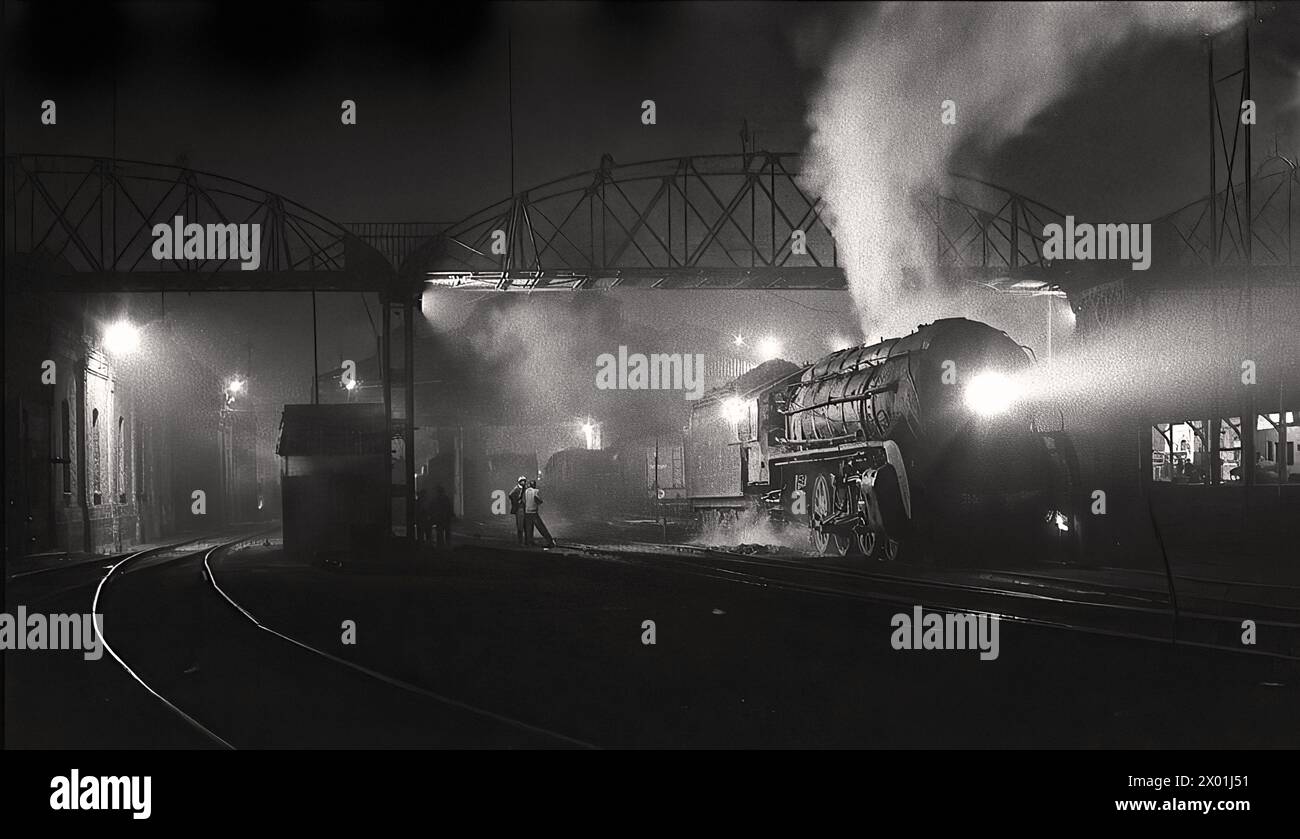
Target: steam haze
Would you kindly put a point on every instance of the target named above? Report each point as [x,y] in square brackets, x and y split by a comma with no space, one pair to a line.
[879,150]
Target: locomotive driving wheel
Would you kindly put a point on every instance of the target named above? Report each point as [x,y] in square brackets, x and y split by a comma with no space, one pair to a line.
[823,507]
[881,535]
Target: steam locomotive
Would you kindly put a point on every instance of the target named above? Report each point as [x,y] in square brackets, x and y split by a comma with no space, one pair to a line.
[913,448]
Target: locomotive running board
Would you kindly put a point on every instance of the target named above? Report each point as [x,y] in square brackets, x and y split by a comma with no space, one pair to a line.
[893,456]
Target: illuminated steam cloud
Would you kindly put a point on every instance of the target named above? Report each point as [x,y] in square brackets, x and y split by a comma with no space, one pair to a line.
[534,358]
[879,150]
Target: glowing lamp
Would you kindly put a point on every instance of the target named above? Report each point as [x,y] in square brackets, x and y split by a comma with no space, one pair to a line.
[990,394]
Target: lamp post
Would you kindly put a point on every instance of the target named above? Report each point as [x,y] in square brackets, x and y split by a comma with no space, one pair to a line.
[121,339]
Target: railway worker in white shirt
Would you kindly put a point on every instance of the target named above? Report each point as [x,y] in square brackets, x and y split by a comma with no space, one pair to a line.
[533,516]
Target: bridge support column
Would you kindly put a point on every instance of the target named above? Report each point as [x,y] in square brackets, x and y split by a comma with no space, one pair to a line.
[399,409]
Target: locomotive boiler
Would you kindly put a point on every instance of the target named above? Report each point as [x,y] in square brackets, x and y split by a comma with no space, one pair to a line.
[892,450]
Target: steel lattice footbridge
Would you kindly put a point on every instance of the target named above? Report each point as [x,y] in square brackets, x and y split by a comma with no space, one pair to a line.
[740,221]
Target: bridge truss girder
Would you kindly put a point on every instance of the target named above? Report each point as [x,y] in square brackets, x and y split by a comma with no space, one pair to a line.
[707,222]
[667,223]
[83,224]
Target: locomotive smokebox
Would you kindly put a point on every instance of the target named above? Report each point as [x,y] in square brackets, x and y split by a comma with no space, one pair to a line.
[912,390]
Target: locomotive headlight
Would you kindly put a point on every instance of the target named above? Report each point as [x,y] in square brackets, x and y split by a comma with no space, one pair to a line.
[989,394]
[734,410]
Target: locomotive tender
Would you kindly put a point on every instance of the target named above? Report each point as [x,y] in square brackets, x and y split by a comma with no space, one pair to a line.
[911,448]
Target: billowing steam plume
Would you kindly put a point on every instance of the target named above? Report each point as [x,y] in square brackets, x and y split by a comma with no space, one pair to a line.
[879,148]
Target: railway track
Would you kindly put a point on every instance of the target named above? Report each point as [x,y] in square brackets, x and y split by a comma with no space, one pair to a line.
[224,674]
[239,683]
[122,568]
[1034,599]
[45,585]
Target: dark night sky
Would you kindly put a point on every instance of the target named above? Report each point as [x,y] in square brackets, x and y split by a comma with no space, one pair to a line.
[255,94]
[252,91]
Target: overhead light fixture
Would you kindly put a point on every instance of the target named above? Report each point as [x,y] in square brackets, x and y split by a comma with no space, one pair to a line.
[769,348]
[122,338]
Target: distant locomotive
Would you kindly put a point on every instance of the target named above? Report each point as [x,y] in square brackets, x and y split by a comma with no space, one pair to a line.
[887,450]
[638,477]
[581,483]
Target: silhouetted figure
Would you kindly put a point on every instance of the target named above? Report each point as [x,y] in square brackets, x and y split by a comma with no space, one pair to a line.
[443,515]
[423,517]
[533,515]
[517,507]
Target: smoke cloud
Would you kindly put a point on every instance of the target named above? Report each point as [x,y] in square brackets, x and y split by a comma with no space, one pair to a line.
[531,359]
[879,149]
